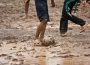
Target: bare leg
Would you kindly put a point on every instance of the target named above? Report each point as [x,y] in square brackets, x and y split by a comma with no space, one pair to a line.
[52,3]
[26,8]
[41,30]
[44,24]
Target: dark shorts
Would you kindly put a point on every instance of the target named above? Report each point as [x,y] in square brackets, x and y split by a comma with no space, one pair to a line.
[42,10]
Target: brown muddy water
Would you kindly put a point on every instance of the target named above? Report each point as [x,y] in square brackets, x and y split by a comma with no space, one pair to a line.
[24,53]
[46,58]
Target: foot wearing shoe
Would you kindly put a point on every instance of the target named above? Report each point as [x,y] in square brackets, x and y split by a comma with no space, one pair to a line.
[83,28]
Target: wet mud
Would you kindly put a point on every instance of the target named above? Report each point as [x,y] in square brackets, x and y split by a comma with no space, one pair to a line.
[17,37]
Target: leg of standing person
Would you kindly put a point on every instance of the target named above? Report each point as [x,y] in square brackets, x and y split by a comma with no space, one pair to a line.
[26,8]
[63,25]
[52,3]
[42,13]
[66,14]
[78,21]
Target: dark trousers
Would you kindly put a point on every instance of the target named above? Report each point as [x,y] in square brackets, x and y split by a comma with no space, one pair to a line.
[42,10]
[64,21]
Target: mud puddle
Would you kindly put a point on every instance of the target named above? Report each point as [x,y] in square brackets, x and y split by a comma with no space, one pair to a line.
[43,58]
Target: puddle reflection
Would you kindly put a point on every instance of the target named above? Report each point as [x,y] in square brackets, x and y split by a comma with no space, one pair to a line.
[44,59]
[68,61]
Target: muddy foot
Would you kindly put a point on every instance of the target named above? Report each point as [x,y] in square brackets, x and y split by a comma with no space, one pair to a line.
[83,28]
[63,34]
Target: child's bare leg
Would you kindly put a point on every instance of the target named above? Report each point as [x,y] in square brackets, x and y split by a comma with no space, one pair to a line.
[42,13]
[83,28]
[26,8]
[40,33]
[39,28]
[44,24]
[52,3]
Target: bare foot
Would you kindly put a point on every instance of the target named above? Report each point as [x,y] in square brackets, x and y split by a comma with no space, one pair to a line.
[63,34]
[24,18]
[83,28]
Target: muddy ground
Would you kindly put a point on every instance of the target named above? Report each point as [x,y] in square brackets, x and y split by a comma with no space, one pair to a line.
[17,36]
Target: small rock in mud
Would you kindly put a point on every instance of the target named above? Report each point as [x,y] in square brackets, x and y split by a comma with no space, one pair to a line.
[3,55]
[14,47]
[12,41]
[9,57]
[86,54]
[16,61]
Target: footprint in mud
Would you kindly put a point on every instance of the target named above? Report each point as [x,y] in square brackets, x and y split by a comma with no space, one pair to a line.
[2,55]
[11,60]
[16,61]
[3,59]
[88,55]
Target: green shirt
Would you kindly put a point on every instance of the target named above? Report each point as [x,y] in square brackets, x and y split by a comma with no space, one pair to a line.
[68,5]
